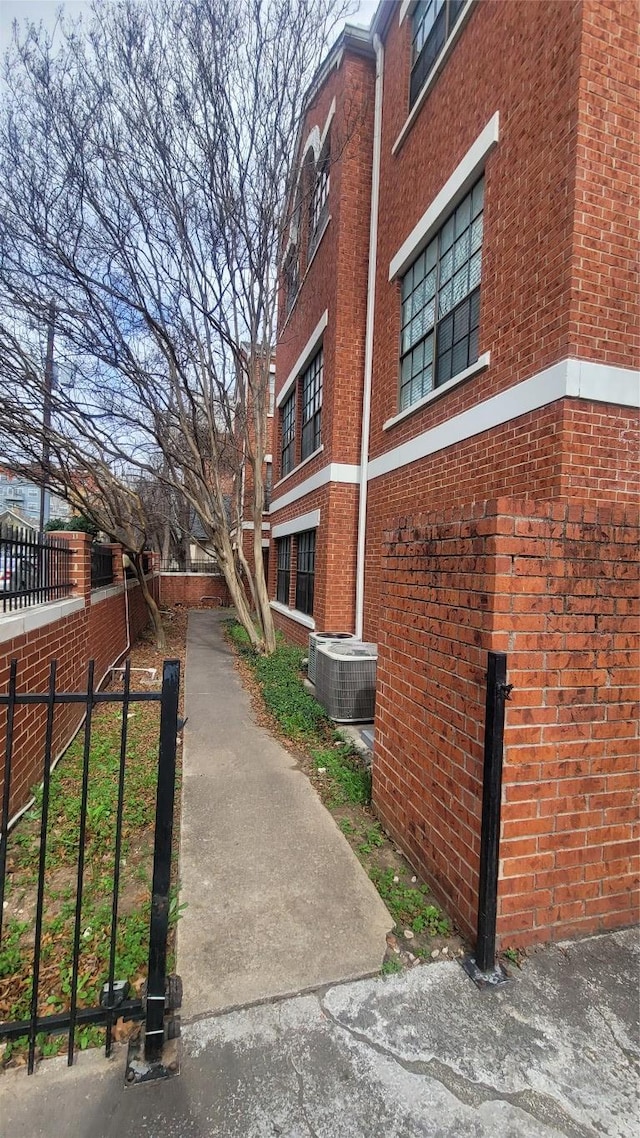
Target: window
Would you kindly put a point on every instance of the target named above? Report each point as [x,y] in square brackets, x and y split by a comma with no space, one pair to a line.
[433,23]
[311,406]
[272,392]
[288,434]
[441,303]
[291,280]
[319,199]
[268,483]
[305,571]
[283,578]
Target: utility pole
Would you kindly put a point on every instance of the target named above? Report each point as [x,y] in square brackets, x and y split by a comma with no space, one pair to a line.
[46,414]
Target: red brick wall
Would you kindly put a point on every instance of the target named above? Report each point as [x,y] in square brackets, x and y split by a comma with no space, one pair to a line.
[569,448]
[189,589]
[568,607]
[555,586]
[528,217]
[605,313]
[97,631]
[336,281]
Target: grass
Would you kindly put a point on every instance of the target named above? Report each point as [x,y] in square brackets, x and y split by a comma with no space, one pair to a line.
[61,869]
[344,783]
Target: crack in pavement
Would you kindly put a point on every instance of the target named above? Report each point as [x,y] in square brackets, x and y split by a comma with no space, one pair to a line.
[539,1106]
[301,1102]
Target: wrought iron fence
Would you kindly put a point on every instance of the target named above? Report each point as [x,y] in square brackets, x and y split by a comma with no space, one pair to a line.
[162,994]
[147,565]
[101,565]
[34,568]
[209,566]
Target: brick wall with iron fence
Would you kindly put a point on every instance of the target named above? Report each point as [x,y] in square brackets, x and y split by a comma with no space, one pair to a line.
[85,624]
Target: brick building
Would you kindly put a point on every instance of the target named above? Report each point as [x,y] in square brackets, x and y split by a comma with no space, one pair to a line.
[456,464]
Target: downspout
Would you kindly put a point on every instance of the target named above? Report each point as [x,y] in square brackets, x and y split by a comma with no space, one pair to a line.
[368,347]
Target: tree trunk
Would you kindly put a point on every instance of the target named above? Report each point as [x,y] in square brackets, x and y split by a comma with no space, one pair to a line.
[227,563]
[152,608]
[261,594]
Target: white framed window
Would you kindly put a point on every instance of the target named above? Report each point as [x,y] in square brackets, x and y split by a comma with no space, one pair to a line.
[441,302]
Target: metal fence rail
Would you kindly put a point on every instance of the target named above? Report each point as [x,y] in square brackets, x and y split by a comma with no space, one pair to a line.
[157,1002]
[101,565]
[34,568]
[202,566]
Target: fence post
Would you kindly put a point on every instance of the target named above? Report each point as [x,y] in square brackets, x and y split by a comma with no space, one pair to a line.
[154,1064]
[482,967]
[80,546]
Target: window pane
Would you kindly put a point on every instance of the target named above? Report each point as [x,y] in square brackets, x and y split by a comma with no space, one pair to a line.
[457,303]
[475,269]
[477,198]
[463,216]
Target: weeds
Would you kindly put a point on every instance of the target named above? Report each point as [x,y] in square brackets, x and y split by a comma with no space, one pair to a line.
[132,943]
[407,903]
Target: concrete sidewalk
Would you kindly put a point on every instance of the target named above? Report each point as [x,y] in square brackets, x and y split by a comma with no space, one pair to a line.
[554,1054]
[277,902]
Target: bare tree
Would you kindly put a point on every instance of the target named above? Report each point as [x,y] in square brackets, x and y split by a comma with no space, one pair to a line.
[144,170]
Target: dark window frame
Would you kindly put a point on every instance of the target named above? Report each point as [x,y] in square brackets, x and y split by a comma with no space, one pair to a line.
[440,316]
[305,570]
[283,570]
[288,421]
[311,383]
[319,202]
[432,23]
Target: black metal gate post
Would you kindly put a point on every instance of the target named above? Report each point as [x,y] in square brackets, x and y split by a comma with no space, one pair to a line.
[152,1057]
[483,968]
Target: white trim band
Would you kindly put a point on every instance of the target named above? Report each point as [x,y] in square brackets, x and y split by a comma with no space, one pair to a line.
[451,193]
[335,472]
[304,357]
[294,614]
[105,592]
[577,379]
[249,525]
[297,525]
[29,620]
[295,469]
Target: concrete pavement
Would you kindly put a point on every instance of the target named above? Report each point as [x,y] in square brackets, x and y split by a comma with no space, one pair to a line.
[276,901]
[422,1055]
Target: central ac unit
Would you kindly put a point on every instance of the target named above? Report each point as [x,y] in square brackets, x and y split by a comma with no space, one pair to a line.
[316,638]
[346,680]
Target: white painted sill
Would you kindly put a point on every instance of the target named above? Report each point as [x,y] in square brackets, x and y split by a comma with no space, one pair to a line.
[298,467]
[105,592]
[306,273]
[432,76]
[37,616]
[481,364]
[294,614]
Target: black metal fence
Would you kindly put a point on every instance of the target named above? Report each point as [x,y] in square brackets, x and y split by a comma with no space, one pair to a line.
[101,565]
[34,568]
[161,996]
[209,566]
[147,565]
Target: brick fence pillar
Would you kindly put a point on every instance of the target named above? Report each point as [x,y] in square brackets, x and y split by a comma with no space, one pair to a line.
[80,570]
[118,567]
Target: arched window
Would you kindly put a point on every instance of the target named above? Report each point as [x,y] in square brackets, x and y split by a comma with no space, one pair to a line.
[319,203]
